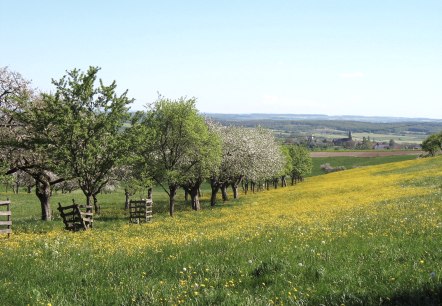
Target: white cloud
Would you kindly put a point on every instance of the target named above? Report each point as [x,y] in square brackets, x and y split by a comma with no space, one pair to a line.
[351,75]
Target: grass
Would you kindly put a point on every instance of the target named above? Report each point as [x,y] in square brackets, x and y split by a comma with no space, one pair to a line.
[366,236]
[350,162]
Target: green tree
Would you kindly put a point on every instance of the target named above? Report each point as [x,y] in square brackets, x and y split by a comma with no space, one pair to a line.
[288,165]
[432,144]
[391,144]
[23,146]
[301,163]
[178,149]
[83,124]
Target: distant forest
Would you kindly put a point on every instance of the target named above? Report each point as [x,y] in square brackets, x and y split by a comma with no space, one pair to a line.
[303,126]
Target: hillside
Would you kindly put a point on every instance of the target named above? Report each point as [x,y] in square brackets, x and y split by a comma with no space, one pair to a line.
[371,235]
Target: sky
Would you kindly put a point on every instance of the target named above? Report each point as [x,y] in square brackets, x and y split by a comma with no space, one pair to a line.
[332,57]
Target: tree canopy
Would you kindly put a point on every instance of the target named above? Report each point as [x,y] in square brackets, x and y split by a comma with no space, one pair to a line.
[83,135]
[433,144]
[84,122]
[179,150]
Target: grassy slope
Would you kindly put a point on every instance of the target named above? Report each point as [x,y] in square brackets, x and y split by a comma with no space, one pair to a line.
[365,236]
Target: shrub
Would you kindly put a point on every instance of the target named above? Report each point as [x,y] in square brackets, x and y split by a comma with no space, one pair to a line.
[327,168]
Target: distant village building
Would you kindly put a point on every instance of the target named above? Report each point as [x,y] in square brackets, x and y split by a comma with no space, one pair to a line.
[381,146]
[343,141]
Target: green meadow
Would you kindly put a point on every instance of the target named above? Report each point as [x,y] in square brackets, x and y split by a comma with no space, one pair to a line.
[365,236]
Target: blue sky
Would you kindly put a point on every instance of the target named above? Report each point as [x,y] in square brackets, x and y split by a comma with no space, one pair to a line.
[335,57]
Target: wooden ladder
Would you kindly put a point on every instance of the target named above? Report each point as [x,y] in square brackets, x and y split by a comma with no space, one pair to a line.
[5,225]
[74,219]
[140,211]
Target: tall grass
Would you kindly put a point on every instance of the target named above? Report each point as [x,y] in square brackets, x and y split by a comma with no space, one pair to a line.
[365,236]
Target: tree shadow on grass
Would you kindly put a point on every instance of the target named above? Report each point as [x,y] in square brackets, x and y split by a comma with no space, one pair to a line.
[424,296]
[428,296]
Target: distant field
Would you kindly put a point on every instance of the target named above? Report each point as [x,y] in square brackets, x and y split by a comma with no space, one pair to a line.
[372,153]
[411,131]
[353,159]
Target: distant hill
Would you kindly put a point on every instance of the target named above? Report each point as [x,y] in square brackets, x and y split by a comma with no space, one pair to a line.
[291,126]
[373,119]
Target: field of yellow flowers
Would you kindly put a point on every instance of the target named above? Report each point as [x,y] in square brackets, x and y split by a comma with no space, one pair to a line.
[367,236]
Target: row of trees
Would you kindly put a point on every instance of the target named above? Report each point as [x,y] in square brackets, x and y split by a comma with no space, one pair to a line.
[85,133]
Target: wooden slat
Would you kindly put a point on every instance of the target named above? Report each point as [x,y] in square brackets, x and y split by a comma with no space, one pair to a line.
[5,222]
[86,214]
[67,207]
[4,203]
[5,213]
[140,210]
[5,231]
[72,213]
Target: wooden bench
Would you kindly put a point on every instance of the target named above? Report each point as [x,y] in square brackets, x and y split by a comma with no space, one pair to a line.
[5,225]
[74,219]
[140,211]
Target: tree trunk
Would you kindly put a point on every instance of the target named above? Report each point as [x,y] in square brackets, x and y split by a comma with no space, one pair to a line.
[149,193]
[186,195]
[96,205]
[172,193]
[195,198]
[283,181]
[88,202]
[224,192]
[245,186]
[214,185]
[126,203]
[215,190]
[235,190]
[43,192]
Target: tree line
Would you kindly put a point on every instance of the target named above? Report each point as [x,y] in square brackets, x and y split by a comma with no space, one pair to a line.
[84,135]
